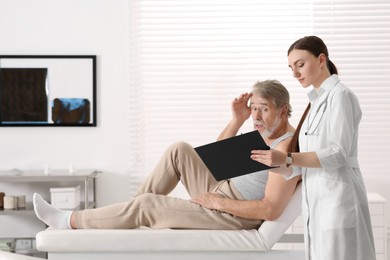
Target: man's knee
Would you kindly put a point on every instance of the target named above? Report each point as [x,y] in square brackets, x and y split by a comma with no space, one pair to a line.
[181,148]
[144,200]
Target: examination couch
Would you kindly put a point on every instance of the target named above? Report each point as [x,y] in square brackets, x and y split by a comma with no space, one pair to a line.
[173,244]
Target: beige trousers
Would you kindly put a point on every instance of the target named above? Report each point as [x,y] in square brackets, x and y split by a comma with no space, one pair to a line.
[151,207]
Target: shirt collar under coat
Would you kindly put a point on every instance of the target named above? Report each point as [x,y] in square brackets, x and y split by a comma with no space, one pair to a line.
[325,87]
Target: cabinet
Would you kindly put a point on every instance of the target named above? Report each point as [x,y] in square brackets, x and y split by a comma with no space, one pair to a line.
[377,207]
[21,225]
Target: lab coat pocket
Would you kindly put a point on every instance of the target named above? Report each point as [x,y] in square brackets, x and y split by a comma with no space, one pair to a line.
[337,204]
[339,244]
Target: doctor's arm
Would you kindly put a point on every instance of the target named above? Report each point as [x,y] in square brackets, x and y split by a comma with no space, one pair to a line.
[278,158]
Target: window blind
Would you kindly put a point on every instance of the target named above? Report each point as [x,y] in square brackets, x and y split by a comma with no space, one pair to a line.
[190,59]
[358,37]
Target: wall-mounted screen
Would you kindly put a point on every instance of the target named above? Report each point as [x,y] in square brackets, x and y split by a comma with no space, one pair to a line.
[48,90]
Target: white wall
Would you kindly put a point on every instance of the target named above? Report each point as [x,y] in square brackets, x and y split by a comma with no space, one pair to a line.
[90,27]
[97,27]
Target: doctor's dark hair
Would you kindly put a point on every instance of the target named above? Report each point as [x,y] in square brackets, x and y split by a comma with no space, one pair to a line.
[315,46]
[273,90]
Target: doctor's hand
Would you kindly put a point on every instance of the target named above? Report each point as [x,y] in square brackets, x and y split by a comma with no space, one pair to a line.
[240,109]
[269,157]
[209,200]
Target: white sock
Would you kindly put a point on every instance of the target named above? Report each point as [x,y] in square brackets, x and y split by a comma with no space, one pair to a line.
[53,217]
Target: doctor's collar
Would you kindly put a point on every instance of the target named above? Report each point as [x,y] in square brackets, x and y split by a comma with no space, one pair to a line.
[331,81]
[313,94]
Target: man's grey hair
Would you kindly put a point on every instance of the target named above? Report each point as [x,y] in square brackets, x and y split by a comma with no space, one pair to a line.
[274,91]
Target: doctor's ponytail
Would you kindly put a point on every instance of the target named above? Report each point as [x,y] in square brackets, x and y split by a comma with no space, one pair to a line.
[315,46]
[331,67]
[293,146]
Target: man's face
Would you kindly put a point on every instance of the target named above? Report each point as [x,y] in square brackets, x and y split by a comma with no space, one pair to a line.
[266,117]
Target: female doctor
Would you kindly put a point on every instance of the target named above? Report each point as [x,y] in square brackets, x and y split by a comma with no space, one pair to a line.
[324,150]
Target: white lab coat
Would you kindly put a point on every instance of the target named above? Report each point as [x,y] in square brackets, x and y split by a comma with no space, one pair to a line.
[335,208]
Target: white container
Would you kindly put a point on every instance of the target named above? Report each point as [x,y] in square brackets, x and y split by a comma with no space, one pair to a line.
[10,202]
[65,198]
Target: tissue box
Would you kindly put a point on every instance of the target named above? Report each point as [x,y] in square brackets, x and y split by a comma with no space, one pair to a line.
[65,198]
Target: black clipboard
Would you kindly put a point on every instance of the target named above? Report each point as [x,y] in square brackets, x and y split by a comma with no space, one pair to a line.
[230,157]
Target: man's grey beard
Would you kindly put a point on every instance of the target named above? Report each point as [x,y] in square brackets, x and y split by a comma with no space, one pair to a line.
[269,131]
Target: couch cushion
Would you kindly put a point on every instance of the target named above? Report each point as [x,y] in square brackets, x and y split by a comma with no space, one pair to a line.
[110,240]
[271,231]
[145,239]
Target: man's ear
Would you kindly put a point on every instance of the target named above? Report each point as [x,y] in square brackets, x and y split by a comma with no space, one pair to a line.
[284,110]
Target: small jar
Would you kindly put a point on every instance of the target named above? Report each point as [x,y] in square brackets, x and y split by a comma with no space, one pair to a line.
[21,201]
[10,202]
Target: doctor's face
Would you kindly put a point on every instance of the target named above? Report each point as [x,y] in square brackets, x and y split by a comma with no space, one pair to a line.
[306,67]
[265,115]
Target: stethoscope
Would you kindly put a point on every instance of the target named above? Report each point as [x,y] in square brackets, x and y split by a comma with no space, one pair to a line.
[324,104]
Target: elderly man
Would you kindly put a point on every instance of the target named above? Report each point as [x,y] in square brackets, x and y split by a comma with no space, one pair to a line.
[239,203]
